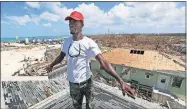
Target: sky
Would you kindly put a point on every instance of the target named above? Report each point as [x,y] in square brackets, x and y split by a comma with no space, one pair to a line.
[29,19]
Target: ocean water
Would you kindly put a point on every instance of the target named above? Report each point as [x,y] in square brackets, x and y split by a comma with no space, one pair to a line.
[39,37]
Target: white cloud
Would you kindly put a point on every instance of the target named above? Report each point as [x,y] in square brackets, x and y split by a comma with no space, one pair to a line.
[128,14]
[58,9]
[22,20]
[35,18]
[47,25]
[49,16]
[91,20]
[19,20]
[5,22]
[54,6]
[149,14]
[94,16]
[33,4]
[135,14]
[123,13]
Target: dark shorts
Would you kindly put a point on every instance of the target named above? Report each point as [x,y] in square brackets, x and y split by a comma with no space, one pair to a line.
[78,91]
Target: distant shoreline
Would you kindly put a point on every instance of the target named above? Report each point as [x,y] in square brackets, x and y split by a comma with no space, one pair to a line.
[13,39]
[9,39]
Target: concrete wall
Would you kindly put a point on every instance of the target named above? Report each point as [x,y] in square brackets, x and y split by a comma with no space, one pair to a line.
[139,75]
[96,67]
[179,92]
[161,98]
[120,68]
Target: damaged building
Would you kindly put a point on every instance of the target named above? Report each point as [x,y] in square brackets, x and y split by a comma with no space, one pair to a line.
[154,75]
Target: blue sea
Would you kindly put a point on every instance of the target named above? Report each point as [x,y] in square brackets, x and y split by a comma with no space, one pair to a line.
[39,37]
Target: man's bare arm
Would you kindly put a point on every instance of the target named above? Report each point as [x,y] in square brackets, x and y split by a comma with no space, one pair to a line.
[58,59]
[108,68]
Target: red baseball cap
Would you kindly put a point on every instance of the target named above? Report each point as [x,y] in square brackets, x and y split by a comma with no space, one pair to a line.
[76,16]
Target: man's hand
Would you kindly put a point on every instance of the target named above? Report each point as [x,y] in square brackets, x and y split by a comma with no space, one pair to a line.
[56,61]
[127,89]
[49,68]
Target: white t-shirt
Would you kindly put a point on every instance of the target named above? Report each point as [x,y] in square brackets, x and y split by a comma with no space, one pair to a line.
[78,54]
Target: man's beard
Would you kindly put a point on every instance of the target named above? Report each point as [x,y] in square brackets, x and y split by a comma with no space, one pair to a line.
[73,31]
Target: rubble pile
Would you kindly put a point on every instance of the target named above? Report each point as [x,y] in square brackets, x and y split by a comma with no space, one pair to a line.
[51,54]
[165,43]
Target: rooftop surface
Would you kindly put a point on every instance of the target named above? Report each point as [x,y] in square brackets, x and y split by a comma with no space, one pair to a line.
[54,94]
[150,60]
[25,94]
[103,100]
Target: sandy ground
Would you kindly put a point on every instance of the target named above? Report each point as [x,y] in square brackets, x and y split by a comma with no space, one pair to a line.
[56,46]
[11,61]
[18,45]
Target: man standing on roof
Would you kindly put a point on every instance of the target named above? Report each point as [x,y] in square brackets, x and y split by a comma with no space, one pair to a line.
[78,49]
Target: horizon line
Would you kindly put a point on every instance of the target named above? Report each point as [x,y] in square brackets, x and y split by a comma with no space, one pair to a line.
[89,34]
